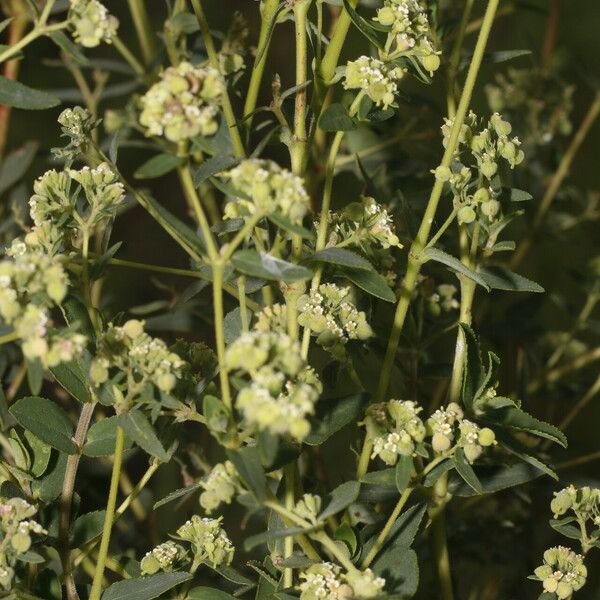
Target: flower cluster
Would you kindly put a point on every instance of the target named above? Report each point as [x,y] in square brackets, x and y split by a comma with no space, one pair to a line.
[16,526]
[447,426]
[394,429]
[91,22]
[231,58]
[442,299]
[363,224]
[184,103]
[375,78]
[281,391]
[31,283]
[208,540]
[272,317]
[76,124]
[562,573]
[308,508]
[331,315]
[76,197]
[220,486]
[584,502]
[485,147]
[539,98]
[265,188]
[409,33]
[164,557]
[326,581]
[143,358]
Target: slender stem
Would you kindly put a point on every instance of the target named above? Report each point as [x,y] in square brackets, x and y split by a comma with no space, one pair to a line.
[551,31]
[555,374]
[289,475]
[194,201]
[443,228]
[242,296]
[228,250]
[8,337]
[38,31]
[213,57]
[440,546]
[580,460]
[386,528]
[585,400]
[557,180]
[130,59]
[110,513]
[268,14]
[414,263]
[66,498]
[217,269]
[143,29]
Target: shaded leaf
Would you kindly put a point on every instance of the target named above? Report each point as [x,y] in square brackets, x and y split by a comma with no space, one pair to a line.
[371,282]
[403,472]
[333,415]
[335,118]
[158,165]
[342,258]
[145,588]
[138,428]
[14,93]
[340,498]
[454,263]
[500,278]
[213,166]
[465,470]
[265,266]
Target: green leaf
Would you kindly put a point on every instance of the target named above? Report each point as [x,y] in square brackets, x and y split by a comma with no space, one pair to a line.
[340,498]
[386,477]
[206,593]
[500,278]
[49,487]
[403,472]
[336,118]
[272,534]
[249,468]
[512,417]
[400,569]
[102,436]
[232,324]
[284,223]
[69,48]
[345,533]
[514,447]
[473,373]
[213,166]
[180,493]
[453,263]
[87,527]
[364,26]
[39,453]
[35,375]
[342,258]
[16,164]
[145,588]
[138,428]
[506,246]
[564,527]
[47,421]
[265,266]
[158,165]
[73,379]
[465,470]
[14,93]
[371,282]
[331,416]
[515,195]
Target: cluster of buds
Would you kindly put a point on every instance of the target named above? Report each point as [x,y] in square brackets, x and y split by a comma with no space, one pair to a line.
[326,581]
[76,198]
[539,98]
[394,429]
[365,225]
[265,188]
[142,358]
[448,427]
[331,315]
[442,299]
[208,540]
[309,508]
[76,124]
[220,486]
[409,33]
[31,283]
[16,526]
[184,103]
[91,23]
[562,573]
[584,502]
[486,147]
[164,557]
[375,78]
[280,391]
[272,317]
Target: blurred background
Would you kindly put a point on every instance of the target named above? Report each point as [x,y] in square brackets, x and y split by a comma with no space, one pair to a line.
[524,330]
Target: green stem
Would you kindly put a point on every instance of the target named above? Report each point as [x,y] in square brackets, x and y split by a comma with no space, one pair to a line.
[241,282]
[39,30]
[268,14]
[8,337]
[108,519]
[143,29]
[213,57]
[440,543]
[443,228]
[130,59]
[217,270]
[414,263]
[289,475]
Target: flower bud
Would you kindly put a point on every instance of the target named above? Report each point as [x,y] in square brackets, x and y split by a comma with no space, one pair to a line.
[466,215]
[440,443]
[442,173]
[21,542]
[486,437]
[488,169]
[490,208]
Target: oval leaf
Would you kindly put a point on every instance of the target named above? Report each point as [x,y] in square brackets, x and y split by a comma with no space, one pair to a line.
[145,588]
[14,93]
[265,266]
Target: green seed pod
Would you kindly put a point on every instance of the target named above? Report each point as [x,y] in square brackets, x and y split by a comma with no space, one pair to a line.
[98,371]
[486,437]
[488,169]
[482,195]
[149,565]
[431,63]
[442,173]
[21,542]
[466,215]
[490,208]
